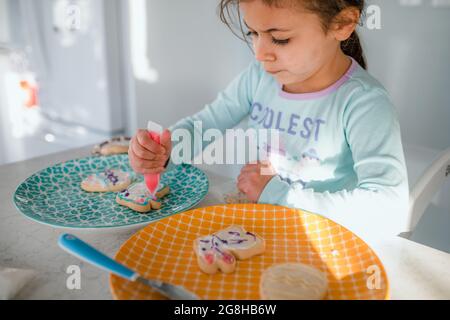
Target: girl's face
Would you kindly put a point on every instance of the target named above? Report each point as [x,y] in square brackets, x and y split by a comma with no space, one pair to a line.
[289,42]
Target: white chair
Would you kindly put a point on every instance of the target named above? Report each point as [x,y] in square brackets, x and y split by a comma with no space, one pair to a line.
[426,187]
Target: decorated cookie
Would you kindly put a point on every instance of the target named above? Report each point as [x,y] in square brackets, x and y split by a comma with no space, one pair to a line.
[116,145]
[293,281]
[138,198]
[220,250]
[110,180]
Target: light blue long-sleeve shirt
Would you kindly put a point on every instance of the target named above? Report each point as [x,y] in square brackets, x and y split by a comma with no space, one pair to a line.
[340,153]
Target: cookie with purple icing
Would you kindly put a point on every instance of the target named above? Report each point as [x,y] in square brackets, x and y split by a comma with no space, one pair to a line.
[220,250]
[110,180]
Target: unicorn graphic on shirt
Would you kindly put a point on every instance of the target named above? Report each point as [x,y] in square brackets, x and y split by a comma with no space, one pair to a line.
[305,168]
[309,159]
[296,169]
[309,167]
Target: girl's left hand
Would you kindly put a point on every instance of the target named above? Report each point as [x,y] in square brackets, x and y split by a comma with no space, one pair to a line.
[254,178]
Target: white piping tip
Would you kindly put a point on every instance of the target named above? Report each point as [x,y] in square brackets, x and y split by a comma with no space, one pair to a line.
[155,127]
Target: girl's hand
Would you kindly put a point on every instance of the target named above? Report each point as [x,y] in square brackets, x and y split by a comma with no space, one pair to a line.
[254,178]
[147,156]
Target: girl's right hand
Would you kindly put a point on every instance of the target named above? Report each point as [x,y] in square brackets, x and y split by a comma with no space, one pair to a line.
[147,156]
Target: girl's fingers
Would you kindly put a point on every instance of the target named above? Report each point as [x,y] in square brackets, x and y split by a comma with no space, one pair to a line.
[139,164]
[247,176]
[141,152]
[146,142]
[250,168]
[166,141]
[242,186]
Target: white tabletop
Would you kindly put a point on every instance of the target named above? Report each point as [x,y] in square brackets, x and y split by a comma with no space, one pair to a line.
[414,270]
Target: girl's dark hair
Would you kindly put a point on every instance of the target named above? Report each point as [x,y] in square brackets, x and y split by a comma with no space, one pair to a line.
[328,12]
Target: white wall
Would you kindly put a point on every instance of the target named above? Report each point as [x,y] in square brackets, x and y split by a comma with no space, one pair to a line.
[195,56]
[4,24]
[410,56]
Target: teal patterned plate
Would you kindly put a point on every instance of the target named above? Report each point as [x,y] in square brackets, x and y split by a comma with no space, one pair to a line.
[53,196]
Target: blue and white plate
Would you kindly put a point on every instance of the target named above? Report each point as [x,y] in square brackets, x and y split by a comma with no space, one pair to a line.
[53,196]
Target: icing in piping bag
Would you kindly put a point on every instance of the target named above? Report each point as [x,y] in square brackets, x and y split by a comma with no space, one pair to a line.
[152,180]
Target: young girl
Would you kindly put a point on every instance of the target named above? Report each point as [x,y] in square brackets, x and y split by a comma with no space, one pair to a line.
[341,151]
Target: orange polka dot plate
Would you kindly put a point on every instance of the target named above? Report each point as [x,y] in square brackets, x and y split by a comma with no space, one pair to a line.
[163,250]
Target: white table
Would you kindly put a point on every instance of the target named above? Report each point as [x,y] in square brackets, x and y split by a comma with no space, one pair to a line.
[415,271]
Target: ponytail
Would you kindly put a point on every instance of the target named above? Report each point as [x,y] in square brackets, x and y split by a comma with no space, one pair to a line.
[352,47]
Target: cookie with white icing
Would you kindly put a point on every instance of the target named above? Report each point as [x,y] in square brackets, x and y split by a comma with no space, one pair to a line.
[138,198]
[293,281]
[220,250]
[116,145]
[110,180]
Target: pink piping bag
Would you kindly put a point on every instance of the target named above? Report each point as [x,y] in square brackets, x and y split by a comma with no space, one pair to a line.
[152,180]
